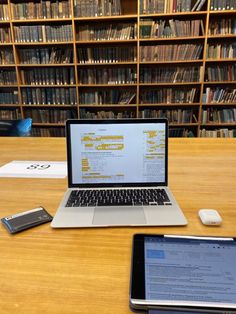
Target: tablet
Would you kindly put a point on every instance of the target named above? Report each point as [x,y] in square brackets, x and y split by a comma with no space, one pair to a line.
[179,272]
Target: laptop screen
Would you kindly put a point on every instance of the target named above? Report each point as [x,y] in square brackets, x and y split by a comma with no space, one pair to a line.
[117,152]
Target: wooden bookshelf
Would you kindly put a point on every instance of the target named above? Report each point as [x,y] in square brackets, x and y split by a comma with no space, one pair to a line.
[116,58]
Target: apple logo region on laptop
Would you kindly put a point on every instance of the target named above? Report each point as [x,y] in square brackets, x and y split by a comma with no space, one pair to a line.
[117,175]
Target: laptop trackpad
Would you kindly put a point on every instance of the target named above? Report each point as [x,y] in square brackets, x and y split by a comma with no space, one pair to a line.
[115,215]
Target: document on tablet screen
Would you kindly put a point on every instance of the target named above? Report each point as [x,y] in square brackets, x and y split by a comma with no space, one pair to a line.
[196,271]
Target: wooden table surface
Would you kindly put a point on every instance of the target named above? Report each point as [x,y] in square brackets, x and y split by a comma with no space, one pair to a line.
[45,270]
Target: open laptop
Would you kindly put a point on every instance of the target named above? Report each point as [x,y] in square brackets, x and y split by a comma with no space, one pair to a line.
[117,175]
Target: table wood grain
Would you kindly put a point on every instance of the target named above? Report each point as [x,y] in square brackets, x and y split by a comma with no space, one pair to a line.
[45,270]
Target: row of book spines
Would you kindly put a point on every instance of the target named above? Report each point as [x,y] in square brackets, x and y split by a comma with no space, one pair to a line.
[119,75]
[4,13]
[224,132]
[6,56]
[224,26]
[86,8]
[105,31]
[221,51]
[43,33]
[170,6]
[181,132]
[106,54]
[8,78]
[5,35]
[171,28]
[6,60]
[63,33]
[10,114]
[170,74]
[169,95]
[148,29]
[41,10]
[62,9]
[116,54]
[160,95]
[175,117]
[171,52]
[121,78]
[48,132]
[219,95]
[48,76]
[221,73]
[102,114]
[219,5]
[48,96]
[10,98]
[147,53]
[108,97]
[178,116]
[50,116]
[227,115]
[46,55]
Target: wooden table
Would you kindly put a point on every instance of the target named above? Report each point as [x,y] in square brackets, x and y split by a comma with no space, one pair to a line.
[44,270]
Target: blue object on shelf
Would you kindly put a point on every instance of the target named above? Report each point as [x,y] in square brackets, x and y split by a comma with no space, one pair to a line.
[20,127]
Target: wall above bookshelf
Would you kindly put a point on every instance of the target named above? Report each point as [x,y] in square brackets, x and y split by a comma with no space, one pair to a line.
[97,59]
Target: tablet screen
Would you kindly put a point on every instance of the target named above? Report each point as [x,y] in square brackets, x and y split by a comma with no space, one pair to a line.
[190,270]
[183,271]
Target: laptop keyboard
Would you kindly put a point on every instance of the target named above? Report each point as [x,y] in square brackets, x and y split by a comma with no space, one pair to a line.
[118,197]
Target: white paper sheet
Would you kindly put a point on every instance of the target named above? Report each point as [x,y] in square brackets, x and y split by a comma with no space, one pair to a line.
[34,169]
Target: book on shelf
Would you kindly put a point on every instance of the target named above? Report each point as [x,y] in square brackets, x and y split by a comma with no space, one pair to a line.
[198,5]
[127,98]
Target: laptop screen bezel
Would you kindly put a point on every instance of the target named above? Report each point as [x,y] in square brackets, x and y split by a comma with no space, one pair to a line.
[113,121]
